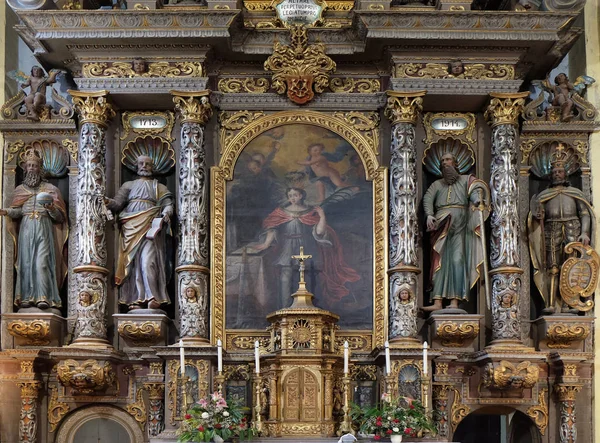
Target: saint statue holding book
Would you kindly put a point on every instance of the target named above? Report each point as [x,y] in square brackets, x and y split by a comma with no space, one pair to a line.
[145,207]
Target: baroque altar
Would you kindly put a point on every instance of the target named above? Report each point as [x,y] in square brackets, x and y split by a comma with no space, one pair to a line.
[167,160]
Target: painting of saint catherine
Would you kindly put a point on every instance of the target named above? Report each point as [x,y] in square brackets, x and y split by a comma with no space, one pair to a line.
[299,185]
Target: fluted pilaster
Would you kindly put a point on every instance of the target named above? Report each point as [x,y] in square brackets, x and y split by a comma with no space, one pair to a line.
[503,115]
[193,203]
[90,262]
[403,110]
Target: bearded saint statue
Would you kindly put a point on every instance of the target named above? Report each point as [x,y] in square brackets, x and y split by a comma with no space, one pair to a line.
[38,226]
[457,251]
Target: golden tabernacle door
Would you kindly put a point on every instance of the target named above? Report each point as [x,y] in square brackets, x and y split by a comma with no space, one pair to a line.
[301,396]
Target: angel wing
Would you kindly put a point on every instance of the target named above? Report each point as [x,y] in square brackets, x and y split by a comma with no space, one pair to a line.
[582,82]
[544,84]
[18,75]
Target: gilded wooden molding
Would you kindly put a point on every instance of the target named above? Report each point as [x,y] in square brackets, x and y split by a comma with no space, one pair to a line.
[455,334]
[87,377]
[441,368]
[505,108]
[562,335]
[157,368]
[472,71]
[154,69]
[404,107]
[35,332]
[137,409]
[235,143]
[570,370]
[364,372]
[92,107]
[299,68]
[507,375]
[230,124]
[236,372]
[539,413]
[56,409]
[194,106]
[175,393]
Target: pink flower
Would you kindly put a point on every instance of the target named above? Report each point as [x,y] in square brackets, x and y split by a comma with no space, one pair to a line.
[203,403]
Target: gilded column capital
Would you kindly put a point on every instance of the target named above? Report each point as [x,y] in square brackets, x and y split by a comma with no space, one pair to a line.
[194,106]
[404,107]
[567,392]
[29,389]
[505,108]
[156,390]
[93,107]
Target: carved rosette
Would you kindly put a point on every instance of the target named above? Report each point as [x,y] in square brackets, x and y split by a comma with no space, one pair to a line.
[508,375]
[403,110]
[28,418]
[156,411]
[503,114]
[94,114]
[193,256]
[567,395]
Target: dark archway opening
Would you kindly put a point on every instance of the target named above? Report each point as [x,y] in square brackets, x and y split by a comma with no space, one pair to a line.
[497,425]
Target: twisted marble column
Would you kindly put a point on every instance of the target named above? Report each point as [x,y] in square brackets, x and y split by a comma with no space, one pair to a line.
[90,261]
[403,109]
[193,255]
[503,115]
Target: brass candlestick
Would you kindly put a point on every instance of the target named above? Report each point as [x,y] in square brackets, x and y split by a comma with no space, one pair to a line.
[346,426]
[258,407]
[425,391]
[183,381]
[220,381]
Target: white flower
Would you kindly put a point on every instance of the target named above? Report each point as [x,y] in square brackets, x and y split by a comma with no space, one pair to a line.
[225,414]
[205,415]
[395,429]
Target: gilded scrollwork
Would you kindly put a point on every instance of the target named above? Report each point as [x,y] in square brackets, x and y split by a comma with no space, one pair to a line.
[34,332]
[459,410]
[236,372]
[359,85]
[166,130]
[193,106]
[404,107]
[431,131]
[363,372]
[153,69]
[145,333]
[539,413]
[56,409]
[13,150]
[300,69]
[72,147]
[561,336]
[250,85]
[455,334]
[471,71]
[137,409]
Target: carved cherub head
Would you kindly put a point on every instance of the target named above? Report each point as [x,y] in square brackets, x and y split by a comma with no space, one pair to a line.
[456,68]
[191,295]
[139,65]
[86,299]
[404,295]
[561,79]
[37,71]
[507,299]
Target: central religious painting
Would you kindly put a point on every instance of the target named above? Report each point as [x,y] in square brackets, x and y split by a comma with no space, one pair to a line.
[299,185]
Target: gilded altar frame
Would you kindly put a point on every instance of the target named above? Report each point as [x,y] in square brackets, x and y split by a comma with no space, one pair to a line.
[360,130]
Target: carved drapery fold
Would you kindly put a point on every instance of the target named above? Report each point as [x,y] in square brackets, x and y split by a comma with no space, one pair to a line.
[503,114]
[403,110]
[193,255]
[90,262]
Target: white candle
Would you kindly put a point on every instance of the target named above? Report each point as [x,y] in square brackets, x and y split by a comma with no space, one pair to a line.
[425,358]
[219,355]
[388,363]
[346,355]
[181,358]
[256,357]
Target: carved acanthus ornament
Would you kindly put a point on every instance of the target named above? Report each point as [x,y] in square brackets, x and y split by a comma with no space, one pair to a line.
[13,149]
[474,71]
[507,375]
[90,261]
[459,410]
[231,123]
[35,332]
[56,409]
[250,85]
[539,413]
[561,336]
[193,204]
[145,333]
[72,147]
[455,334]
[154,69]
[505,108]
[300,69]
[358,85]
[404,107]
[87,377]
[194,106]
[156,411]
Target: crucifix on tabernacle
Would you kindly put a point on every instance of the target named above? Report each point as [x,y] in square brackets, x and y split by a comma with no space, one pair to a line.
[301,259]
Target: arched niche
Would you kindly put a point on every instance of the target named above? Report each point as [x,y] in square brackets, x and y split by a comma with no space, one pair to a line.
[108,422]
[497,424]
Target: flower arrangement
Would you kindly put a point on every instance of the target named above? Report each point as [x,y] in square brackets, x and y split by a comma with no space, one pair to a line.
[214,417]
[394,416]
